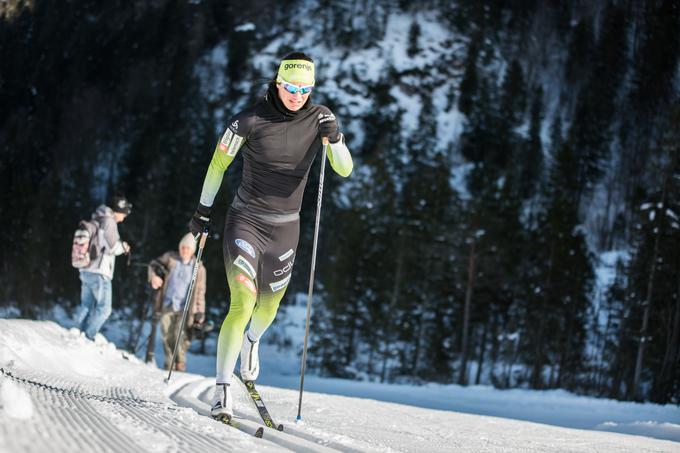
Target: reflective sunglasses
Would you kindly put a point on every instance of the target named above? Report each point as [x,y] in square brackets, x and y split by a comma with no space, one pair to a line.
[293,89]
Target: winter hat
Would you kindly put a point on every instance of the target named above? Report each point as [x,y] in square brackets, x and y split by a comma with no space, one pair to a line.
[296,67]
[120,204]
[189,241]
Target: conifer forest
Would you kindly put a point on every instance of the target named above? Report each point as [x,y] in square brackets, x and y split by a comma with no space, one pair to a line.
[513,218]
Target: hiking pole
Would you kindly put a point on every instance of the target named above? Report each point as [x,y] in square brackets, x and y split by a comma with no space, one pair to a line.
[324,140]
[194,275]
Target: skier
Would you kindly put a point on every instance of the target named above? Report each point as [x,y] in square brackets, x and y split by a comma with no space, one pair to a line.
[173,286]
[95,293]
[279,137]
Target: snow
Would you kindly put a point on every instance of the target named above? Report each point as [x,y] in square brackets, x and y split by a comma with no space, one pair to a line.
[432,43]
[249,26]
[49,370]
[15,401]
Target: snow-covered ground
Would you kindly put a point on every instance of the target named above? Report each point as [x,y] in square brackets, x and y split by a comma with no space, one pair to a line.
[61,392]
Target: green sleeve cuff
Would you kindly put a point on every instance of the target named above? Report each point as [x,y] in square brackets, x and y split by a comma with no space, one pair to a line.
[340,158]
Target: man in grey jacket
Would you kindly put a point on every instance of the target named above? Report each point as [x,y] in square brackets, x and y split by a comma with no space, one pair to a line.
[95,294]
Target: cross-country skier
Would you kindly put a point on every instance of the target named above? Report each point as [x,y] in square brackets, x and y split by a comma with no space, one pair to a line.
[279,137]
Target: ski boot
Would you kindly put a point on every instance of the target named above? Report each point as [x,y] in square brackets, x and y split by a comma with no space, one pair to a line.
[223,404]
[250,360]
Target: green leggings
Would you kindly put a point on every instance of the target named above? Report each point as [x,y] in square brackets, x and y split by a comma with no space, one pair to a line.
[245,306]
[259,259]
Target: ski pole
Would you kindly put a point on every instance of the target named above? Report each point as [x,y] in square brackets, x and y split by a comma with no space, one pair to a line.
[194,275]
[324,140]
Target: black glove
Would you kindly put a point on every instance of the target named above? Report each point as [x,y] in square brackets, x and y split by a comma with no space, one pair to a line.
[200,221]
[328,127]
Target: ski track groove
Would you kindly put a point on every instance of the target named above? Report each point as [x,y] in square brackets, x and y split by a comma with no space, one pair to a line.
[87,420]
[289,429]
[83,419]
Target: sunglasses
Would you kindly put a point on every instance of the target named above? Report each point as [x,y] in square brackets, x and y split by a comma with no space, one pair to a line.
[293,89]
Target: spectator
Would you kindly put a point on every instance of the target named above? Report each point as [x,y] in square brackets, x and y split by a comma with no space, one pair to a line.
[174,287]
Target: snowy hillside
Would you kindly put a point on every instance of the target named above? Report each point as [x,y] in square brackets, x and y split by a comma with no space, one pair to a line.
[513,209]
[61,392]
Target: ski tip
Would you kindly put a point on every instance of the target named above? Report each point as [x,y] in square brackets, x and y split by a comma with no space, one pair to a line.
[259,433]
[279,428]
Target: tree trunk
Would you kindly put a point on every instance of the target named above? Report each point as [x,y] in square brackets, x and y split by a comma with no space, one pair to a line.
[671,356]
[564,352]
[482,349]
[494,342]
[351,337]
[617,365]
[462,377]
[416,351]
[599,372]
[635,390]
[538,349]
[387,340]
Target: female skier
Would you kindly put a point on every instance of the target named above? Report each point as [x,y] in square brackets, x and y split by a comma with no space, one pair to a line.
[279,137]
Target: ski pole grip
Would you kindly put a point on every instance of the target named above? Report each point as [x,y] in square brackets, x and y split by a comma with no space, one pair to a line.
[324,140]
[204,236]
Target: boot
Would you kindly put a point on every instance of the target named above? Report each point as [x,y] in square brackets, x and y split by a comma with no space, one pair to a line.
[250,360]
[180,366]
[222,406]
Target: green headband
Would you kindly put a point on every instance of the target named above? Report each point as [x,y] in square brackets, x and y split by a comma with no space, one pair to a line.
[296,71]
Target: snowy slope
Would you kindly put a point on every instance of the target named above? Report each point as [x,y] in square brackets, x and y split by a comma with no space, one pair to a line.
[88,396]
[281,368]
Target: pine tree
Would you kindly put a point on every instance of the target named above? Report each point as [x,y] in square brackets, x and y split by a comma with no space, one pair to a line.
[596,104]
[513,98]
[469,83]
[413,36]
[557,320]
[655,275]
[531,154]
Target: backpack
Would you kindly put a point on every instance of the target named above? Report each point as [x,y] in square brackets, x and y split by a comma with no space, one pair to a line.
[85,248]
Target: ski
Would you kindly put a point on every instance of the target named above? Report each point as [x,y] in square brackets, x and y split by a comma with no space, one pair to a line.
[259,404]
[234,424]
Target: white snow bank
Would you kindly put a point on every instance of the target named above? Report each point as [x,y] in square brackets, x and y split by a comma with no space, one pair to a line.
[15,401]
[45,347]
[649,428]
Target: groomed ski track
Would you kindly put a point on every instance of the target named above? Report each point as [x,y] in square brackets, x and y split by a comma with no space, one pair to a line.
[84,420]
[62,393]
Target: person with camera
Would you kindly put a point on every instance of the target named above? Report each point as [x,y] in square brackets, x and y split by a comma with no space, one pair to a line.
[176,269]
